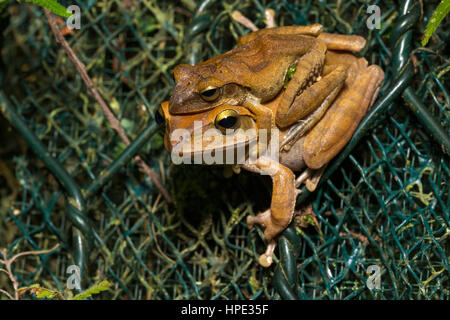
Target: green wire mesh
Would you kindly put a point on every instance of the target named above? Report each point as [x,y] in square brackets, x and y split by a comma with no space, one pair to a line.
[384,203]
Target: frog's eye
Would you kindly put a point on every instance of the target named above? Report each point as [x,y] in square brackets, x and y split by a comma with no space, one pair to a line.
[211,94]
[227,119]
[159,116]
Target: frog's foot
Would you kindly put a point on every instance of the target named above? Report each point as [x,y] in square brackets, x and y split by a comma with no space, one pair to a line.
[310,178]
[270,231]
[266,258]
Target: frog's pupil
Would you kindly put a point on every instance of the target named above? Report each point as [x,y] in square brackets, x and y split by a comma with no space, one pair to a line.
[228,122]
[209,93]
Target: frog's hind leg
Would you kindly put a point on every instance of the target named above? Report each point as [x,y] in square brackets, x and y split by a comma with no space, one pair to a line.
[299,129]
[301,98]
[337,126]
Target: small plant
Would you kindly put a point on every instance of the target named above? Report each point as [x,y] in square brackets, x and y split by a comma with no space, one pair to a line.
[6,268]
[51,5]
[45,293]
[41,292]
[438,15]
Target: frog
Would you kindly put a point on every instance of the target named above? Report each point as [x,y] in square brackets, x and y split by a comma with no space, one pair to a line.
[304,88]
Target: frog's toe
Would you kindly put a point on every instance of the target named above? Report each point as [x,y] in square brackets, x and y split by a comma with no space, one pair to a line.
[266,258]
[264,220]
[270,18]
[305,175]
[310,178]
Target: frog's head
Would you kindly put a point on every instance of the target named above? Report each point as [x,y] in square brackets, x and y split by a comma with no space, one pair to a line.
[210,133]
[203,87]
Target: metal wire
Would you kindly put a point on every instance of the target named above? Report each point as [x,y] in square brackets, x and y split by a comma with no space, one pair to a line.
[382,201]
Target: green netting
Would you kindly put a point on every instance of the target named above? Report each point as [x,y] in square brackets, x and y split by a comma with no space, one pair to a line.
[384,200]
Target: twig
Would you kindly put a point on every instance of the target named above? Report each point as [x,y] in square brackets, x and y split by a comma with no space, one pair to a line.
[8,263]
[358,236]
[115,124]
[7,294]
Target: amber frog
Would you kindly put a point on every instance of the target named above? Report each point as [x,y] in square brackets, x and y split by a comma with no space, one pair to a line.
[298,80]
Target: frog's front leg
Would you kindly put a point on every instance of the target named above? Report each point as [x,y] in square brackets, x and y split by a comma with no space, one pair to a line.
[263,115]
[281,211]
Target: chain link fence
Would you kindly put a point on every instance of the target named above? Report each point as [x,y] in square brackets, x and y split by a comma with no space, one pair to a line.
[383,201]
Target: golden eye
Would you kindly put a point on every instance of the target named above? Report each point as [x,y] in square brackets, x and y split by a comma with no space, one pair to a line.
[211,94]
[227,119]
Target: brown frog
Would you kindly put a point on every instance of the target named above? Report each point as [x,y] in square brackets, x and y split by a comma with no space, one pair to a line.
[303,87]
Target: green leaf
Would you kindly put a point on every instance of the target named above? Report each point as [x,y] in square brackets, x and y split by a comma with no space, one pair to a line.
[289,74]
[97,288]
[45,293]
[40,292]
[115,105]
[438,15]
[53,6]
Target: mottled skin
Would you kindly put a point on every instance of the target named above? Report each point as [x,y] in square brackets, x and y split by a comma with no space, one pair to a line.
[316,113]
[254,69]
